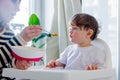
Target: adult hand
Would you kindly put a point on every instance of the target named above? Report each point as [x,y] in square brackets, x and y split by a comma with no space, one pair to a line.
[23,64]
[31,32]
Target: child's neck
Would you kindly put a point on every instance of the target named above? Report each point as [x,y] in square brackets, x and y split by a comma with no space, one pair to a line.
[85,44]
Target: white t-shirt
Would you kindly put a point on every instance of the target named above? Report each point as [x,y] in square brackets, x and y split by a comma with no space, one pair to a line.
[79,58]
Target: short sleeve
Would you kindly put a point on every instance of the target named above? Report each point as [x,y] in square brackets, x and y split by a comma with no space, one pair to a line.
[64,55]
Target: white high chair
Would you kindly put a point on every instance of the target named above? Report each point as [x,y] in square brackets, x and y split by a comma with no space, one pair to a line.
[37,73]
[108,62]
[103,45]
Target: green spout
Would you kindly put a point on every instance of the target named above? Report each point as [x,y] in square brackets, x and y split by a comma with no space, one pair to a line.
[34,20]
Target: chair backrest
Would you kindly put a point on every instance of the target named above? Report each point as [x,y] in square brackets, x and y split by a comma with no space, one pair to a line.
[103,45]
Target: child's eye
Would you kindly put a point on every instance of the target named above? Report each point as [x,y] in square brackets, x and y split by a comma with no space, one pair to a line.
[73,29]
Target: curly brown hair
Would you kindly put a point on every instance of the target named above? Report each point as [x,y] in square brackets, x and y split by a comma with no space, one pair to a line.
[85,21]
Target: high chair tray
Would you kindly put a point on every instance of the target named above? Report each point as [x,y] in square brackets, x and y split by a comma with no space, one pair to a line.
[38,73]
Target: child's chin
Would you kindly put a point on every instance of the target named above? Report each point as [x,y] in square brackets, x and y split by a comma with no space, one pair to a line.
[72,41]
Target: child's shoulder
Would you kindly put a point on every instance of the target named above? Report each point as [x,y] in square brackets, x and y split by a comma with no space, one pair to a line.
[97,48]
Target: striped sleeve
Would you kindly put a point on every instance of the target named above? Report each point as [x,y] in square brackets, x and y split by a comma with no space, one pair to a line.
[21,40]
[8,39]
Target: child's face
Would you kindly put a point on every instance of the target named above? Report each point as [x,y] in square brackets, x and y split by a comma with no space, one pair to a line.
[8,9]
[79,36]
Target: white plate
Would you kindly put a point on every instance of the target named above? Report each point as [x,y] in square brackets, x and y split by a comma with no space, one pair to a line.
[27,53]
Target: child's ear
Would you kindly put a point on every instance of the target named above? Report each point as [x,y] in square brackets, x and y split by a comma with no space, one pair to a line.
[89,32]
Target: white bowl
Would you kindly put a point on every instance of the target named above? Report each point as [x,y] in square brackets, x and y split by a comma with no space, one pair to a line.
[27,53]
